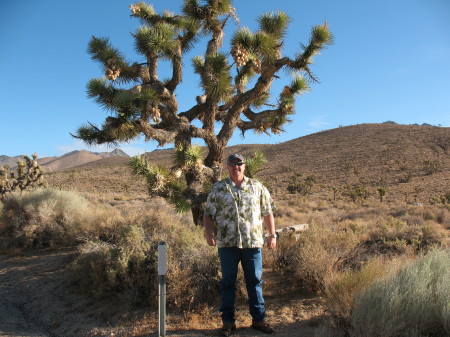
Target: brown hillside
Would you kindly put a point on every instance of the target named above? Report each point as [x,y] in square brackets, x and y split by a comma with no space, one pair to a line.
[369,154]
[70,160]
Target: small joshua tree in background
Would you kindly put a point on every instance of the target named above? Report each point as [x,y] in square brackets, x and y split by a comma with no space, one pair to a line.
[28,174]
[381,193]
[336,190]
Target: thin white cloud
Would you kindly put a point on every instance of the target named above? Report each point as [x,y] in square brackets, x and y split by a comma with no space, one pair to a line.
[319,122]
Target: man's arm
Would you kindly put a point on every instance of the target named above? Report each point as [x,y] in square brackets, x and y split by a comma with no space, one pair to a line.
[270,225]
[208,223]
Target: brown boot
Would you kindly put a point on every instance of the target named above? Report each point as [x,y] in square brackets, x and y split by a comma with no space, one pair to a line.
[263,326]
[227,329]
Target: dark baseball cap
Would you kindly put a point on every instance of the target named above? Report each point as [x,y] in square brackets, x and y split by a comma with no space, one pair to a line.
[236,156]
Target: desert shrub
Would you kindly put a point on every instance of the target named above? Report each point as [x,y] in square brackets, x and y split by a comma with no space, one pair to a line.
[342,287]
[318,252]
[431,166]
[405,178]
[414,302]
[283,257]
[125,264]
[445,198]
[395,236]
[123,267]
[356,193]
[43,218]
[443,217]
[302,187]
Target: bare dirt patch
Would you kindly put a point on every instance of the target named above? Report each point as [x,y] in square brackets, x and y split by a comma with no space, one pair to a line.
[38,298]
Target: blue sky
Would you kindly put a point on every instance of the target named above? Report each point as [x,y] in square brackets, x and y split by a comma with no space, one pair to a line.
[390,61]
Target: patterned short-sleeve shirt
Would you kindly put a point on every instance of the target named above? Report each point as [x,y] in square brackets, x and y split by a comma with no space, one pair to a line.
[239,212]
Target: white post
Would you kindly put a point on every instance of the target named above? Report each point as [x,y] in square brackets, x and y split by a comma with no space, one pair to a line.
[162,269]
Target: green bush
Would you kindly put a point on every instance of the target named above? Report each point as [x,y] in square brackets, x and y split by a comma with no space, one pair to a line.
[414,302]
[43,218]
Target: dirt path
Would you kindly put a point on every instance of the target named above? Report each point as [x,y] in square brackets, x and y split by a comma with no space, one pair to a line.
[37,300]
[35,296]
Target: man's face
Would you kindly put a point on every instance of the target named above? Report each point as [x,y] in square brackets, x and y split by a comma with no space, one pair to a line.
[236,169]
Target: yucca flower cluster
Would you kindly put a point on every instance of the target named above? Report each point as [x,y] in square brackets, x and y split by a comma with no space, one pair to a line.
[257,65]
[135,9]
[154,111]
[112,71]
[240,55]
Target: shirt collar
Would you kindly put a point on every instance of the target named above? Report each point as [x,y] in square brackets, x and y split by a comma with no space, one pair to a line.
[232,184]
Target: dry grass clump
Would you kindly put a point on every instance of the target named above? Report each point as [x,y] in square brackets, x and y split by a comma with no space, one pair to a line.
[44,218]
[397,237]
[316,253]
[348,247]
[345,236]
[341,288]
[124,262]
[414,302]
[396,297]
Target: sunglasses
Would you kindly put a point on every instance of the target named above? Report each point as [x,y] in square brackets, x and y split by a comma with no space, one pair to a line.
[238,163]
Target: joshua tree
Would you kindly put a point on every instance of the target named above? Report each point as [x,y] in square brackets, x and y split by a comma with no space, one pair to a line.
[381,193]
[235,86]
[28,174]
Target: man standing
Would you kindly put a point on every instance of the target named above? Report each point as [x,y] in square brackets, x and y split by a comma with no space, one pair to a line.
[238,206]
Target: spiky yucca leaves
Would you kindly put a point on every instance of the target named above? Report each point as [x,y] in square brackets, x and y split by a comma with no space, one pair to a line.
[28,174]
[207,14]
[161,182]
[159,39]
[286,103]
[254,164]
[320,37]
[275,24]
[101,50]
[216,78]
[187,157]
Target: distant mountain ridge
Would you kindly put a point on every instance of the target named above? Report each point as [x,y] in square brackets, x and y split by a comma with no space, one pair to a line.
[67,160]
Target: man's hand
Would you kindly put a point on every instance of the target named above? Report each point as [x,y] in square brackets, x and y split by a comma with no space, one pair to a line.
[271,243]
[270,225]
[208,223]
[211,240]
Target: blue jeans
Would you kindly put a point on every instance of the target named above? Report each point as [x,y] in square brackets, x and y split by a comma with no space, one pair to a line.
[251,261]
